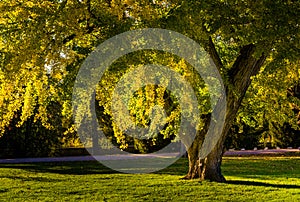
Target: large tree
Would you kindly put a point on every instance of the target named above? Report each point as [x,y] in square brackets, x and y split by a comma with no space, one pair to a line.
[239,36]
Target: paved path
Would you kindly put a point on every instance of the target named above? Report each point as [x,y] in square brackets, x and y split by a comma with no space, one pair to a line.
[136,156]
[259,152]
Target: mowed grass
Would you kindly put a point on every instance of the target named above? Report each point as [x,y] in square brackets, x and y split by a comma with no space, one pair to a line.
[248,179]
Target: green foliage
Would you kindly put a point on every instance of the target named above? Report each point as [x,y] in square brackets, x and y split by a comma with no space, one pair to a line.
[144,100]
[268,109]
[42,45]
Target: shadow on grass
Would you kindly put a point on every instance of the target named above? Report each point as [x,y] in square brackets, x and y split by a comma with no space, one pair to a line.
[88,167]
[286,168]
[261,184]
[3,190]
[65,168]
[38,179]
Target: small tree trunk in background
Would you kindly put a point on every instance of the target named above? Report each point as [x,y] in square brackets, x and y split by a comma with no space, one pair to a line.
[239,76]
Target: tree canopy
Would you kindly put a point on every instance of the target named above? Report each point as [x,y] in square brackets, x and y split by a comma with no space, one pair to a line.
[43,44]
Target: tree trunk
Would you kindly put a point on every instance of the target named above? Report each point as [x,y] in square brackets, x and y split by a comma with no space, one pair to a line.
[239,76]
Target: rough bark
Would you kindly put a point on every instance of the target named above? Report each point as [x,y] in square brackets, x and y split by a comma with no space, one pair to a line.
[193,151]
[239,76]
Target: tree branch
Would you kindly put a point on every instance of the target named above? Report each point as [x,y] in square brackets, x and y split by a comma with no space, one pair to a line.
[242,59]
[244,67]
[214,54]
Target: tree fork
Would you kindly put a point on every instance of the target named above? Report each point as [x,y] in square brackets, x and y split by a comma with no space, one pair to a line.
[245,66]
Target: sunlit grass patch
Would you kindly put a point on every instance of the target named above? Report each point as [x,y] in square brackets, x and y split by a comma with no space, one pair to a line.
[248,179]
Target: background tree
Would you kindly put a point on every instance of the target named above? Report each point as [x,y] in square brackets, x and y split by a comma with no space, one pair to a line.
[42,45]
[268,115]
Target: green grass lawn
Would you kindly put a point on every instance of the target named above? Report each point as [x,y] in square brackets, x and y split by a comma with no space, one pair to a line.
[248,179]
